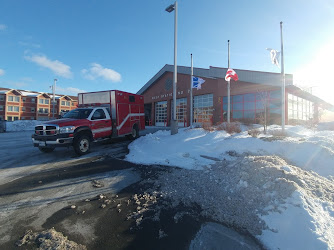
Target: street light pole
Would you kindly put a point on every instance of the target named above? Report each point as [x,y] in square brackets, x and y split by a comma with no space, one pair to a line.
[174,127]
[54,98]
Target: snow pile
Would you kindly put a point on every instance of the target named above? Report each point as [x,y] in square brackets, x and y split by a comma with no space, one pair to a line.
[310,150]
[22,125]
[283,205]
[263,186]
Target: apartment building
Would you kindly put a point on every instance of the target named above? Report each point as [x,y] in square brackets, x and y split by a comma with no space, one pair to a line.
[30,105]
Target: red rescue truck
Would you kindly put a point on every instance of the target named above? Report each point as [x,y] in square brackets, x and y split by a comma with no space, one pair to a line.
[100,115]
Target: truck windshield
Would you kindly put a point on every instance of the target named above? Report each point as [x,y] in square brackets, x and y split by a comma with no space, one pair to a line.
[78,113]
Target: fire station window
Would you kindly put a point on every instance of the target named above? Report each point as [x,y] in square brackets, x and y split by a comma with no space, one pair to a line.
[24,99]
[98,114]
[2,98]
[23,108]
[132,98]
[1,108]
[32,110]
[63,103]
[32,99]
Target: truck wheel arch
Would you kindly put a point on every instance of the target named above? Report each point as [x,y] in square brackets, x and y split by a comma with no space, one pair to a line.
[83,130]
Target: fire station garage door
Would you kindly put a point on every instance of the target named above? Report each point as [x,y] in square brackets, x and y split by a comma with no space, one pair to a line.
[161,113]
[181,111]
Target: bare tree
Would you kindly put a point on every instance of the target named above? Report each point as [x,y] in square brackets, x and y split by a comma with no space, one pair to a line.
[262,118]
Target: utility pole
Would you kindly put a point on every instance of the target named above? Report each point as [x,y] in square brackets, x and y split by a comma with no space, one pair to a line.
[228,86]
[54,98]
[191,92]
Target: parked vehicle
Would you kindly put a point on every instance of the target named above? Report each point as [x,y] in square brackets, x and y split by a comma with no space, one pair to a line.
[100,115]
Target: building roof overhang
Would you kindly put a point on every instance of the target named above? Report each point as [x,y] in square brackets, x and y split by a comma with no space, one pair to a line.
[257,77]
[308,96]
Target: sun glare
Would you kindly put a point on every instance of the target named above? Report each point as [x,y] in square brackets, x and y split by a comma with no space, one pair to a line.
[316,76]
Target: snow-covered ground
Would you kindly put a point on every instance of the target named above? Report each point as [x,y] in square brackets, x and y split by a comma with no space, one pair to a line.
[279,189]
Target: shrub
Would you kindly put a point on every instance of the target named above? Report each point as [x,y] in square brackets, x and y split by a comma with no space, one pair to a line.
[233,127]
[208,127]
[254,132]
[277,133]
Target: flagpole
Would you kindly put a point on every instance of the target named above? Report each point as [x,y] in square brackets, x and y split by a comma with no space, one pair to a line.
[191,92]
[228,86]
[283,79]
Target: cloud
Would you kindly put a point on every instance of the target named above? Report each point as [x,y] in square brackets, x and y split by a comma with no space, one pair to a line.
[33,45]
[2,72]
[68,90]
[57,67]
[3,27]
[97,71]
[27,79]
[15,84]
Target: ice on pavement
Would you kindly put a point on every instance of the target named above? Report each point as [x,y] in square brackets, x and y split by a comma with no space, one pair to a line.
[280,191]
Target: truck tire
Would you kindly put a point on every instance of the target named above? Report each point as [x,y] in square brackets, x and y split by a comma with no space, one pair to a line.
[81,144]
[46,150]
[134,132]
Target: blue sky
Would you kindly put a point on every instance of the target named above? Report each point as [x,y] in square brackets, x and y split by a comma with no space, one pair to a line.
[99,45]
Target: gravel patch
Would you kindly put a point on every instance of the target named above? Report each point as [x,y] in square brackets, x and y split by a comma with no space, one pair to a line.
[237,193]
[48,239]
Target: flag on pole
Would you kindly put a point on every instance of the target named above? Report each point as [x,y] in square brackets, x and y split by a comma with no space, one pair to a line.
[197,82]
[274,56]
[231,74]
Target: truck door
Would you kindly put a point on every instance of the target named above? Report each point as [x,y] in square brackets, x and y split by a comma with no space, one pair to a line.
[101,124]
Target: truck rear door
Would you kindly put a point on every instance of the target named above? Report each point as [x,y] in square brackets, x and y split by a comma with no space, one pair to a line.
[100,123]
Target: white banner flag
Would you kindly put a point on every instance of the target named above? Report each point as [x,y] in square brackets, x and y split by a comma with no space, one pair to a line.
[197,82]
[274,56]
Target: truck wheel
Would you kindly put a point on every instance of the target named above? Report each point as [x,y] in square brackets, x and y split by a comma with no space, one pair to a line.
[82,145]
[46,150]
[134,132]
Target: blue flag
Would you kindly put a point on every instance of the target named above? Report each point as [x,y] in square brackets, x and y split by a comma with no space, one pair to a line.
[197,82]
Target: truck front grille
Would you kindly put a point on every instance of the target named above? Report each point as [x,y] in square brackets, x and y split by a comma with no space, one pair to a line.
[46,130]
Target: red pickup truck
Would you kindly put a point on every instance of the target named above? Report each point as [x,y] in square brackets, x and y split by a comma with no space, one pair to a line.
[100,115]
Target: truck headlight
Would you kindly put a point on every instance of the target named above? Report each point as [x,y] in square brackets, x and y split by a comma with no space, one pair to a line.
[66,129]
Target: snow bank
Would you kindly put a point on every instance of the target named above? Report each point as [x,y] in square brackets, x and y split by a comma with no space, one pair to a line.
[22,125]
[307,149]
[271,187]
